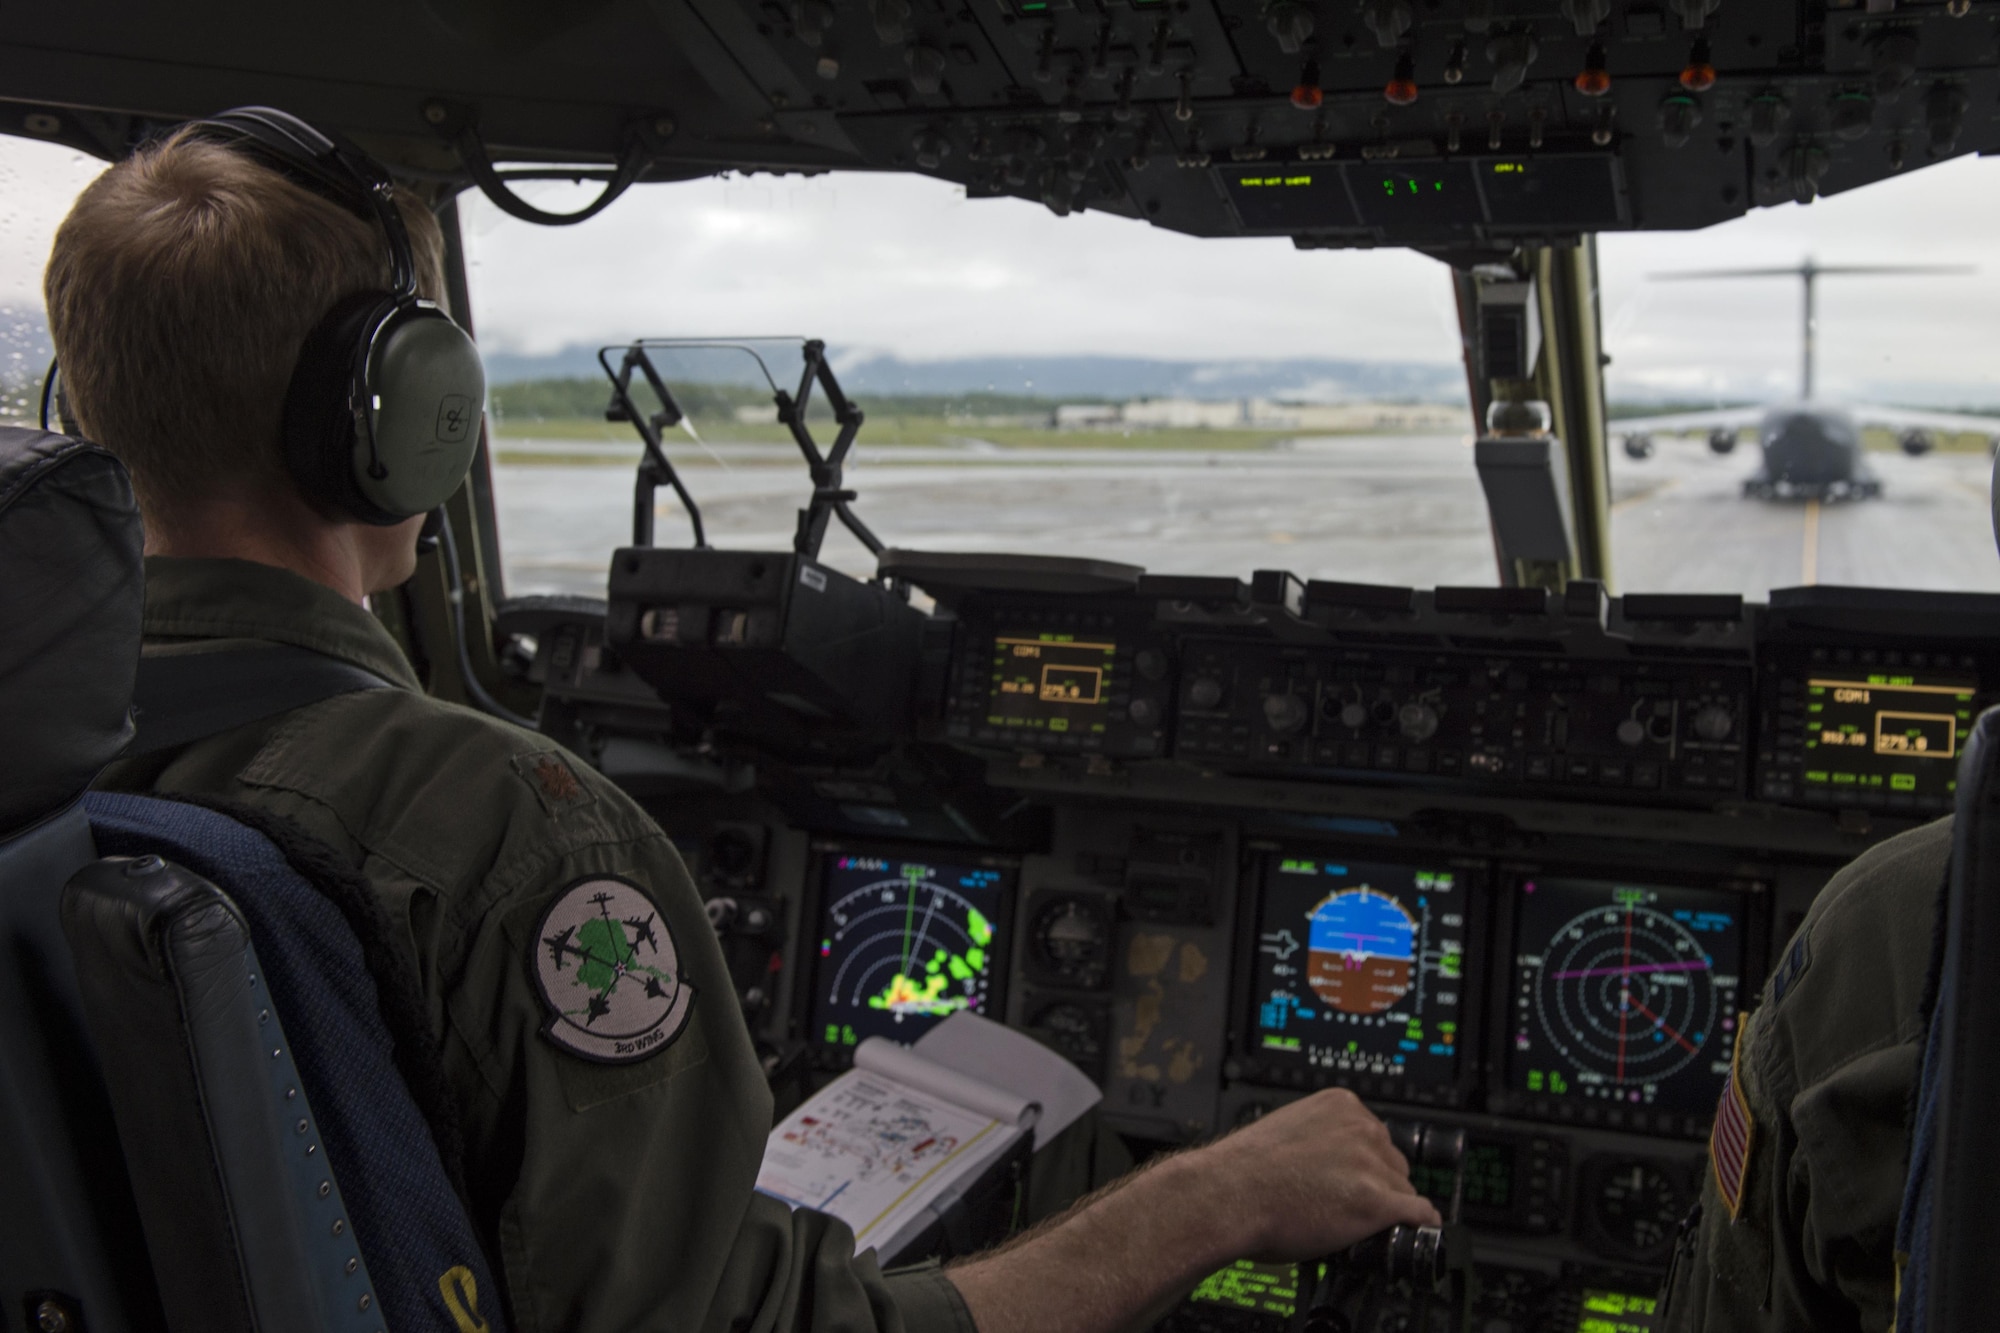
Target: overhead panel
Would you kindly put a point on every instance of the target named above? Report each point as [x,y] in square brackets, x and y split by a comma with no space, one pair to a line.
[1459,126]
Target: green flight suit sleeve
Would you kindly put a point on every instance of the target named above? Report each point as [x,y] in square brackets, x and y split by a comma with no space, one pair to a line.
[1826,1068]
[623,1191]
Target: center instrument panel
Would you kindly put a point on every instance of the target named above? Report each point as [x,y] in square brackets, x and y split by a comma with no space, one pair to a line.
[1496,859]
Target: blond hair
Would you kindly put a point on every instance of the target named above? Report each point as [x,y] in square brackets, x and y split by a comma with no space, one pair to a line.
[180,289]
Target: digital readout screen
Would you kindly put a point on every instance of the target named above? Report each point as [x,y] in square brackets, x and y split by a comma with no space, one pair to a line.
[1293,197]
[1885,733]
[1602,1311]
[1625,994]
[1051,682]
[1489,1177]
[1551,191]
[1438,192]
[904,945]
[1359,968]
[1245,1285]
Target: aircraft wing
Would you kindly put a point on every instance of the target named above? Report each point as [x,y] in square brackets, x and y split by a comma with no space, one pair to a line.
[1900,419]
[1689,423]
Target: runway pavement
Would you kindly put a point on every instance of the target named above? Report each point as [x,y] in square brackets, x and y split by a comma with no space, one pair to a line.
[1391,509]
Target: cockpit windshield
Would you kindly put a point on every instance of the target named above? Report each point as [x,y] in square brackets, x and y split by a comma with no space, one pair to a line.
[1088,386]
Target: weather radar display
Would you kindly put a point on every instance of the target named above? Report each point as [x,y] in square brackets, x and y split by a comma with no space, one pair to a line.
[903,945]
[1359,970]
[1625,994]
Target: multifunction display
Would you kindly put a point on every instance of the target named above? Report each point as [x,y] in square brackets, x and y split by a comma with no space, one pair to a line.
[1359,971]
[1885,732]
[1051,682]
[904,944]
[1625,995]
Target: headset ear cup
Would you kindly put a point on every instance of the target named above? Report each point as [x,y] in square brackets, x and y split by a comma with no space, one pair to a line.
[428,389]
[320,405]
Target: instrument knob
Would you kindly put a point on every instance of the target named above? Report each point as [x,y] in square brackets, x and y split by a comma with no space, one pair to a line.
[1143,711]
[1417,721]
[1713,722]
[1285,712]
[1354,716]
[1205,692]
[1631,731]
[1150,663]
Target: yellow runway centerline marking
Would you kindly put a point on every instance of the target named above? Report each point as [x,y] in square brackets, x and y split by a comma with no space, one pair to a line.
[1809,557]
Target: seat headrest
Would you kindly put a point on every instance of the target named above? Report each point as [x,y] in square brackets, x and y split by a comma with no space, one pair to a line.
[71,596]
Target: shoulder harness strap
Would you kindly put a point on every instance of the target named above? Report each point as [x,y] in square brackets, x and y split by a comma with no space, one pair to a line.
[181,698]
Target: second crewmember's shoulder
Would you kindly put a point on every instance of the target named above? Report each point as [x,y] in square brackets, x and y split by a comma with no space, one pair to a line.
[1851,980]
[444,791]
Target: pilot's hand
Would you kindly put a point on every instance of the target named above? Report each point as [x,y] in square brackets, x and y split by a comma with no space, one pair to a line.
[1312,1178]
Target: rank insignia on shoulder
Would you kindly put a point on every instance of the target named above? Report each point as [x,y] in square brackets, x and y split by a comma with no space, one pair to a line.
[1729,1140]
[608,972]
[553,781]
[1797,959]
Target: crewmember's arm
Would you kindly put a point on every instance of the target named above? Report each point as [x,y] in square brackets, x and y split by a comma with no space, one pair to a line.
[1797,1222]
[1303,1182]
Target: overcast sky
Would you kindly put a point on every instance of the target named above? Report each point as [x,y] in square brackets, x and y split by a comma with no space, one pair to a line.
[909,266]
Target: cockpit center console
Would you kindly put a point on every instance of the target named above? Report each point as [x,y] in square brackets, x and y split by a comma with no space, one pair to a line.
[1496,859]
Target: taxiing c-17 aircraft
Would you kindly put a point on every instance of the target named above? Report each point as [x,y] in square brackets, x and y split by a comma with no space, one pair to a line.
[439,849]
[1809,448]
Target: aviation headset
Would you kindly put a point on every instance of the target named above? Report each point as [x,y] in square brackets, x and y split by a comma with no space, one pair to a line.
[382,413]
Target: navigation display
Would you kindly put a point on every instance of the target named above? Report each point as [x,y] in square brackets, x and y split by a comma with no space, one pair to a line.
[1886,733]
[1625,994]
[1052,682]
[1359,969]
[903,945]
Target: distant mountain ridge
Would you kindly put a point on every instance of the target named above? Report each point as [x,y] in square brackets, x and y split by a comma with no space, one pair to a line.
[1057,377]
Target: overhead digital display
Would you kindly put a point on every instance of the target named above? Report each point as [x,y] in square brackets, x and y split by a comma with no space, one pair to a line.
[1551,190]
[1437,193]
[1359,969]
[1625,995]
[1297,196]
[1052,683]
[903,945]
[1886,733]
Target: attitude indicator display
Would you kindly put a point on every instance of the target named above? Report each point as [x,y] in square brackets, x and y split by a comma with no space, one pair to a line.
[1359,970]
[1880,734]
[1053,683]
[904,945]
[1625,995]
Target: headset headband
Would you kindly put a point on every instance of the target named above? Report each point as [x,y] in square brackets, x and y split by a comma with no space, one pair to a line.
[330,165]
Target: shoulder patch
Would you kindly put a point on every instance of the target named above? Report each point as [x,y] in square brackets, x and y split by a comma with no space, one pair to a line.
[608,971]
[1729,1139]
[555,783]
[1797,959]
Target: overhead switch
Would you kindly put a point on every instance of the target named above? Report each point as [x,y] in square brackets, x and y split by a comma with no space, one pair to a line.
[1586,15]
[1387,19]
[1851,114]
[1694,13]
[1769,114]
[1511,54]
[1290,22]
[1679,114]
[1944,117]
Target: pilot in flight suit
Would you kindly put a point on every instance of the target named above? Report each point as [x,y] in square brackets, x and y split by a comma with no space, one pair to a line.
[490,842]
[1796,1226]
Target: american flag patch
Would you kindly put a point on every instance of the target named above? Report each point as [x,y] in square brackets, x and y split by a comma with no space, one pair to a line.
[1729,1140]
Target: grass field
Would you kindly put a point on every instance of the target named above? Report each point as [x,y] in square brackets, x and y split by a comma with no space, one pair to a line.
[514,439]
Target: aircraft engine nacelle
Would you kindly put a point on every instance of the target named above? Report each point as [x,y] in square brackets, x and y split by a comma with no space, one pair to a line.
[1721,441]
[1916,443]
[1638,447]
